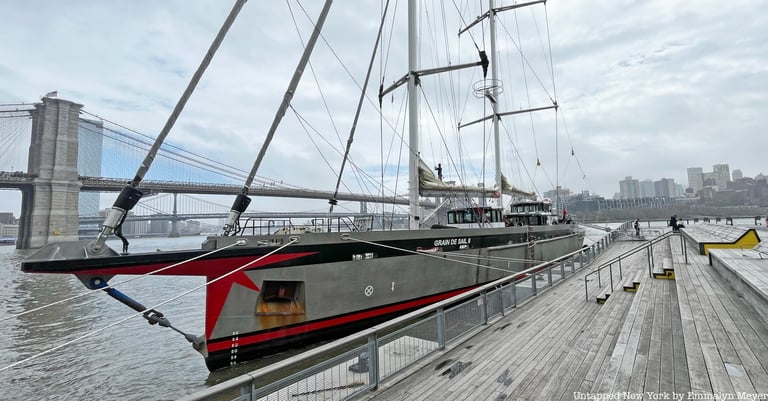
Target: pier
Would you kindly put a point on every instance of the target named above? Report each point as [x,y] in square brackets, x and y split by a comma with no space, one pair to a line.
[674,326]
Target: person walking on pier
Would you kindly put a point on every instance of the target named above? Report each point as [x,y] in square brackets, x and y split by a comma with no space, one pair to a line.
[637,227]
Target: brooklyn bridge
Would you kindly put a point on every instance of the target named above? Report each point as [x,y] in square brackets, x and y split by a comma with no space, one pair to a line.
[72,157]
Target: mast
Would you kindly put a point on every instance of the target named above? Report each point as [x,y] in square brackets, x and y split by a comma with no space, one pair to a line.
[413,116]
[242,200]
[494,105]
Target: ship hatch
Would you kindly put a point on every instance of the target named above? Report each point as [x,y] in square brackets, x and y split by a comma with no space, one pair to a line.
[281,298]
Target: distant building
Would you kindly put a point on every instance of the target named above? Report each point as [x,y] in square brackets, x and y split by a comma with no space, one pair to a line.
[722,175]
[647,190]
[7,218]
[629,188]
[695,179]
[665,187]
[159,226]
[736,175]
[709,180]
[558,197]
[9,230]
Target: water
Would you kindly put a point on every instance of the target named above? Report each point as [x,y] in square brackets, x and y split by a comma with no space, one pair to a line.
[131,361]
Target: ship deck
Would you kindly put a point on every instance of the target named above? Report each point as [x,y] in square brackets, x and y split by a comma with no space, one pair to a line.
[689,337]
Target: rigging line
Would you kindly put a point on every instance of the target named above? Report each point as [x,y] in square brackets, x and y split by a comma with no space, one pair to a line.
[349,73]
[385,56]
[549,45]
[133,315]
[90,292]
[519,156]
[525,59]
[144,167]
[442,138]
[527,89]
[429,254]
[578,163]
[461,17]
[304,122]
[319,88]
[314,74]
[359,106]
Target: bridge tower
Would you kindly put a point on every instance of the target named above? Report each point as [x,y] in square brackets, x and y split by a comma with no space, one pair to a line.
[49,208]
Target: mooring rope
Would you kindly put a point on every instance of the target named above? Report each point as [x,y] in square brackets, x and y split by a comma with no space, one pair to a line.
[133,315]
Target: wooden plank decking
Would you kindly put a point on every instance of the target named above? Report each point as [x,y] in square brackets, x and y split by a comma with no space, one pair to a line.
[691,337]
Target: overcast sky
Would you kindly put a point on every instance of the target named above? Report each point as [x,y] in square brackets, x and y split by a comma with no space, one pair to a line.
[646,88]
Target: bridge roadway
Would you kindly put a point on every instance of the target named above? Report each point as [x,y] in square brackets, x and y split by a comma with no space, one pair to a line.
[19,180]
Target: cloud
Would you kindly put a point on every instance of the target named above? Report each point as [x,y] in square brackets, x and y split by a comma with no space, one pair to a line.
[646,88]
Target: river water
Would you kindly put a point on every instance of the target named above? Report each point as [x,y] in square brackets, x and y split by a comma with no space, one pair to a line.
[131,361]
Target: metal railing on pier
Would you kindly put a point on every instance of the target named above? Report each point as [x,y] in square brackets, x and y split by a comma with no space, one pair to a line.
[645,246]
[348,367]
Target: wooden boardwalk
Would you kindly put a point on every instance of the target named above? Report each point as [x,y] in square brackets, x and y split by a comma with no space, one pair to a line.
[687,338]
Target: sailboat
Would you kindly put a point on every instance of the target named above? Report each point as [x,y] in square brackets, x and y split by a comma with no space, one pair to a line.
[267,293]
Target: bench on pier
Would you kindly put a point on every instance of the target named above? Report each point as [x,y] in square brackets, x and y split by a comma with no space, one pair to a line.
[712,236]
[746,270]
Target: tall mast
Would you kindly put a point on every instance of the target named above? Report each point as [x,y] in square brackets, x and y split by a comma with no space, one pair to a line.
[494,103]
[413,117]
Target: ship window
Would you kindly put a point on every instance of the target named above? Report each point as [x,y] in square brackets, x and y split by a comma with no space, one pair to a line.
[452,218]
[363,256]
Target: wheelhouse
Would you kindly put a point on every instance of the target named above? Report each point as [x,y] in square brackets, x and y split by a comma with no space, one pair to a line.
[475,215]
[530,213]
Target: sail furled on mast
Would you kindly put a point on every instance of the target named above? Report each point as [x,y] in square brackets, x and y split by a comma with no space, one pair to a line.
[514,191]
[430,185]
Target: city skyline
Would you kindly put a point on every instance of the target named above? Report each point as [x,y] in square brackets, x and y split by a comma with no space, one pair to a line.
[697,179]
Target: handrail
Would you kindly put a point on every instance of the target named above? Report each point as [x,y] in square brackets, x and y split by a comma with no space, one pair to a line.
[248,381]
[648,246]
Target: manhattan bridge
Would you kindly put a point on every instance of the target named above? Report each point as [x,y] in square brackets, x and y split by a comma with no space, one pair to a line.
[62,158]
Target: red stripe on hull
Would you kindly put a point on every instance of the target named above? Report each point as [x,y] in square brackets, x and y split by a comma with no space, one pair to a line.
[247,339]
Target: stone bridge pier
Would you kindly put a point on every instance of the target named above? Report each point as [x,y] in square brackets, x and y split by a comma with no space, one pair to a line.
[49,209]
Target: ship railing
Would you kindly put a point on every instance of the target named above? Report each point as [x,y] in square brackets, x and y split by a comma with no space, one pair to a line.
[267,226]
[615,263]
[348,367]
